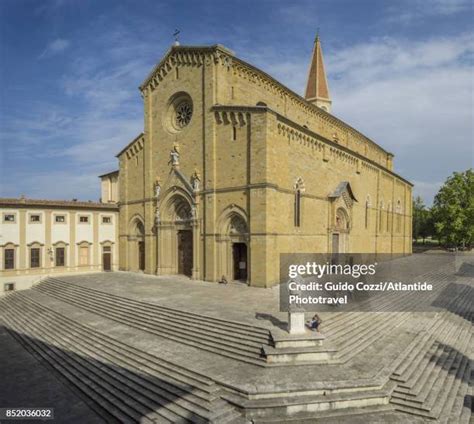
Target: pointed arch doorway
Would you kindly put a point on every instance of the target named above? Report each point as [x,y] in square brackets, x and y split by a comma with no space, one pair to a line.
[233,246]
[177,235]
[136,240]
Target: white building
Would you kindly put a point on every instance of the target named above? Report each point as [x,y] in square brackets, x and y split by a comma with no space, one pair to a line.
[44,237]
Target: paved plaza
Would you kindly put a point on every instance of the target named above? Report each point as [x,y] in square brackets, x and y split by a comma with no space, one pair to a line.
[385,366]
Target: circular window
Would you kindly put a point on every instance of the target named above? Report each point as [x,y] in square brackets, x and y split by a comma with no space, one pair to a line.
[179,112]
[184,112]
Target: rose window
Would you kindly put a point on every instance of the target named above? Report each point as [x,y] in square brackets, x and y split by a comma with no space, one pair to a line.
[184,112]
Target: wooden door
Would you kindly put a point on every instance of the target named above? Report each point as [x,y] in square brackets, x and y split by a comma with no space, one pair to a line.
[107,261]
[185,252]
[141,255]
[239,253]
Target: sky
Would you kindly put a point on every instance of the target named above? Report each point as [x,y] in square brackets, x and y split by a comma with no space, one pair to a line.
[400,71]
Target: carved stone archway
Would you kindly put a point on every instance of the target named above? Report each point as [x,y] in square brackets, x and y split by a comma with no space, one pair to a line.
[178,235]
[340,218]
[136,244]
[233,247]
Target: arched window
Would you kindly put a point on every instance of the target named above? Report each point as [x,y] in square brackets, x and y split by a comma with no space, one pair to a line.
[298,208]
[299,189]
[399,216]
[261,104]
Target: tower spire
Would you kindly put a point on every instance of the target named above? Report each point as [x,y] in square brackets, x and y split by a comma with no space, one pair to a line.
[317,90]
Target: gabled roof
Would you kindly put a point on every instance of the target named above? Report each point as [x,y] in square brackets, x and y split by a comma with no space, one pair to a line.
[341,188]
[138,137]
[317,84]
[108,174]
[190,50]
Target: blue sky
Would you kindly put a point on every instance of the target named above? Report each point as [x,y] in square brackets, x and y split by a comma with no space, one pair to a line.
[400,71]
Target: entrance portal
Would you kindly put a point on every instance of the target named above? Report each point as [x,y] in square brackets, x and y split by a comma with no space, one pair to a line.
[239,252]
[185,252]
[106,258]
[141,255]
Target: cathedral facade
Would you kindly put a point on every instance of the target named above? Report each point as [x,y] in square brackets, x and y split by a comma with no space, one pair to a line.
[233,168]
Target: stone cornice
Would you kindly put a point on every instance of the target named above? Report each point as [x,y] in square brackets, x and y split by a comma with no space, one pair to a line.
[23,203]
[195,55]
[198,55]
[305,104]
[140,139]
[243,109]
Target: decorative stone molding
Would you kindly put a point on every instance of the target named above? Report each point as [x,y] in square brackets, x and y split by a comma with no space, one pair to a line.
[344,190]
[134,147]
[219,55]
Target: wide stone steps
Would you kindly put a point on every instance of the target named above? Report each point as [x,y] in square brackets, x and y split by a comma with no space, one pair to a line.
[190,319]
[315,406]
[438,326]
[347,415]
[434,378]
[366,336]
[371,326]
[239,342]
[413,362]
[379,303]
[82,356]
[140,359]
[340,322]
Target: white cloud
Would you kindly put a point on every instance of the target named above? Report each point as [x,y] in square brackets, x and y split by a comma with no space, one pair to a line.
[410,11]
[413,98]
[56,46]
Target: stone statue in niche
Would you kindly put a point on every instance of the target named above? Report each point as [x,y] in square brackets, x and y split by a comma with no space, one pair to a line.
[174,156]
[157,188]
[195,181]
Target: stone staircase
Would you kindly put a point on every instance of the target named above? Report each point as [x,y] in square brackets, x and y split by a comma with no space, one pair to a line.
[431,379]
[235,340]
[434,375]
[124,384]
[378,323]
[311,405]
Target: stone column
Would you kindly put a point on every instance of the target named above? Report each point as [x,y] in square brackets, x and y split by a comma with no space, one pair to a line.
[296,323]
[196,275]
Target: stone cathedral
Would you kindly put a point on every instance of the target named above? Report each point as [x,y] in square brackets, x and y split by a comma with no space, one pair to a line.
[233,168]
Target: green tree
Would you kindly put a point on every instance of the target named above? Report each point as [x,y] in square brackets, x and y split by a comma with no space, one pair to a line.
[423,226]
[427,224]
[419,209]
[453,210]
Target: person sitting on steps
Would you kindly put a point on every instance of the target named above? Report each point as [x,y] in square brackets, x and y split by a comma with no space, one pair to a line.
[315,323]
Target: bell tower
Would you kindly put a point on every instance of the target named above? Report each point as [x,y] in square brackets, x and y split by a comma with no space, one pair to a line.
[317,90]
